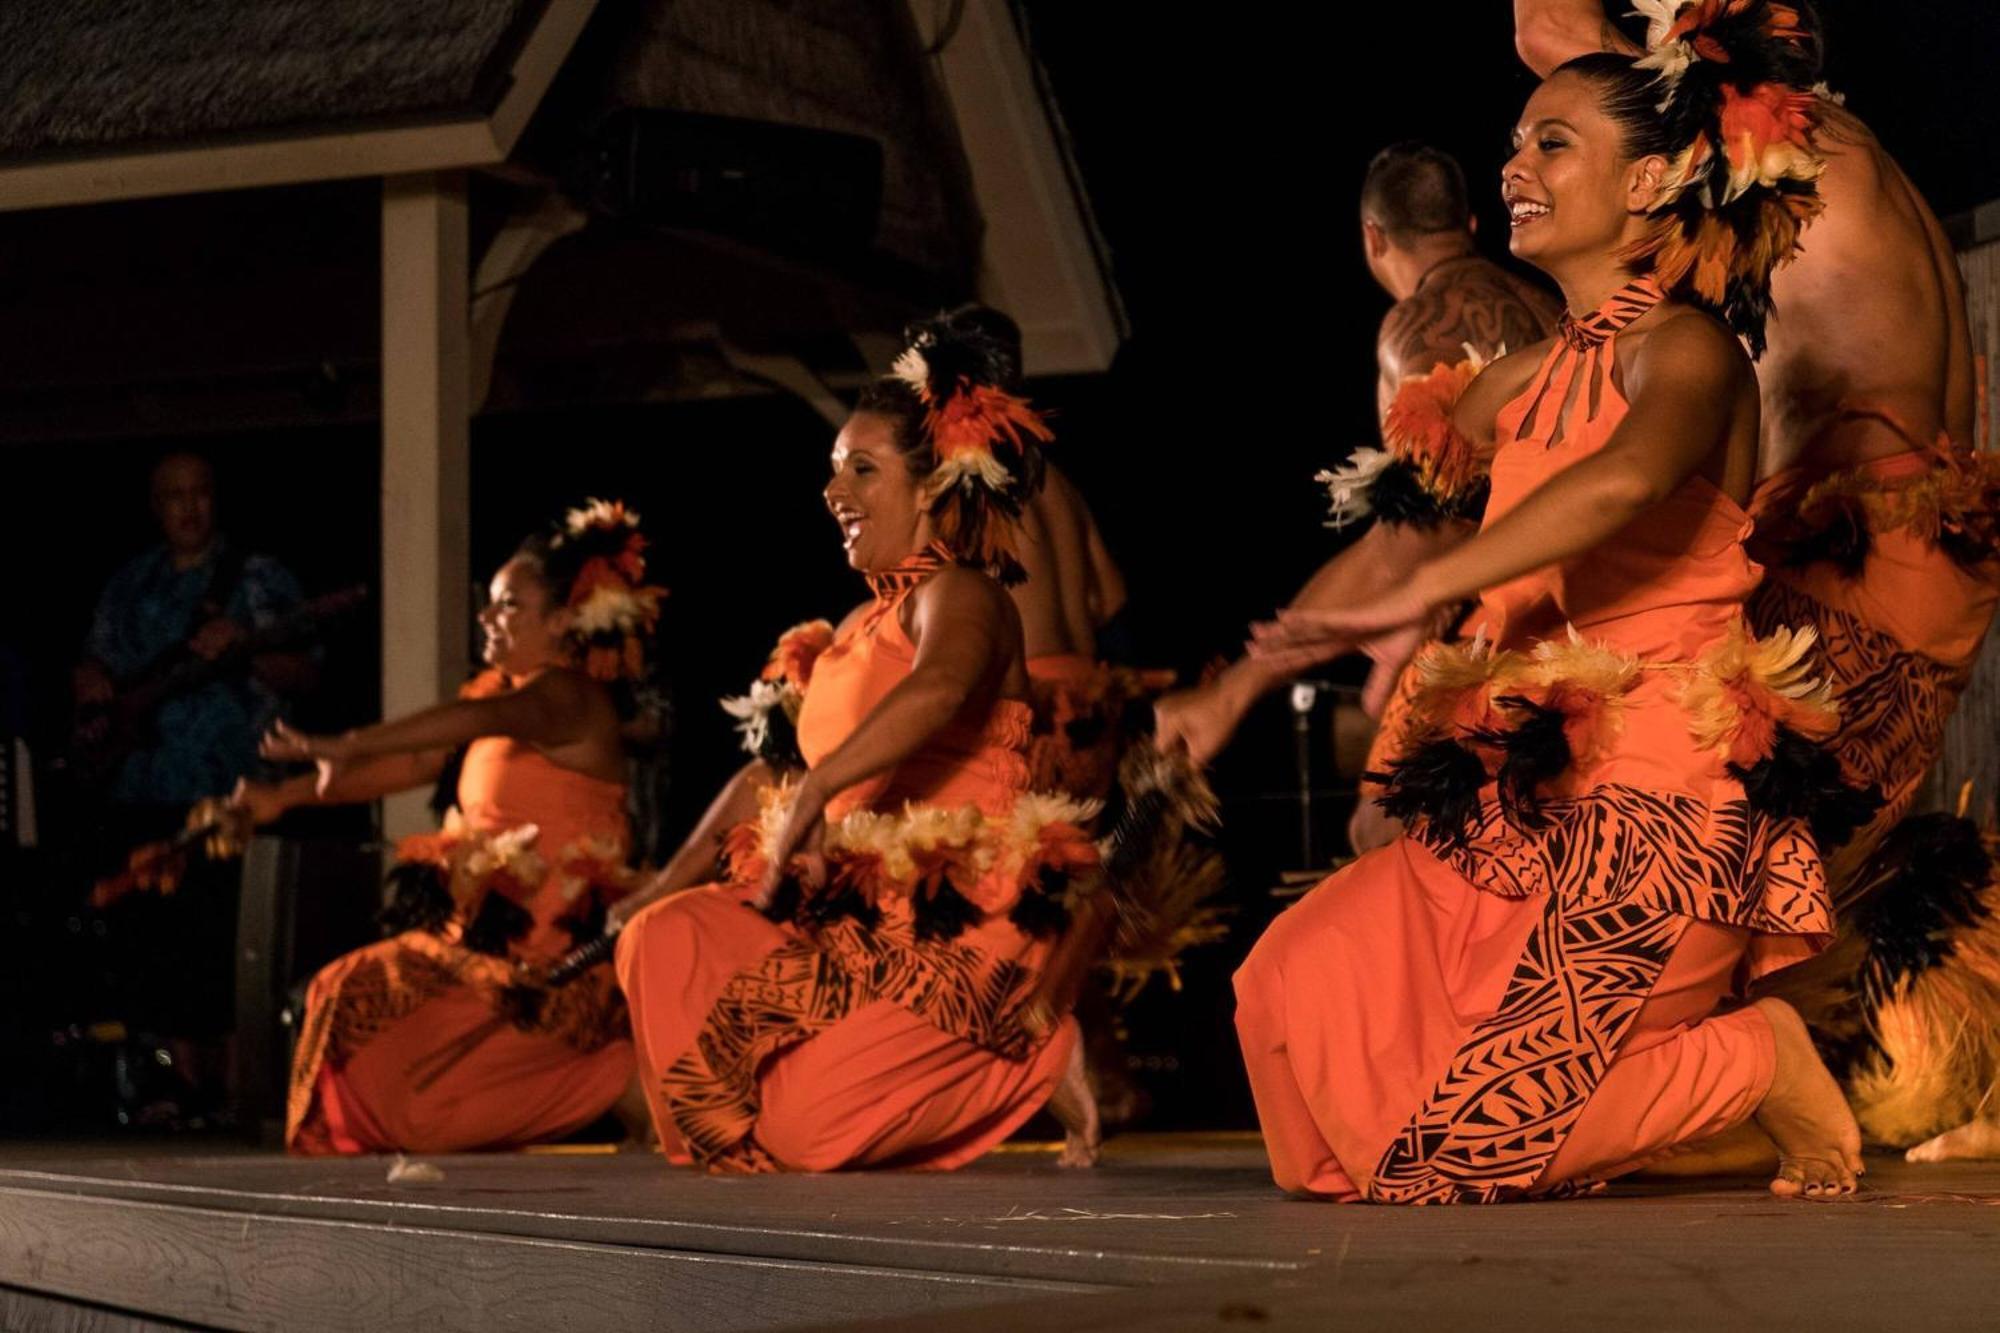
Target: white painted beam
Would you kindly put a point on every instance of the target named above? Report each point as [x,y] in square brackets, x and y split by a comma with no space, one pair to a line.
[1037,262]
[426,462]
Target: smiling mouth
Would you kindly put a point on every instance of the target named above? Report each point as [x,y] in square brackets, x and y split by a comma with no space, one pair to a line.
[1520,212]
[851,525]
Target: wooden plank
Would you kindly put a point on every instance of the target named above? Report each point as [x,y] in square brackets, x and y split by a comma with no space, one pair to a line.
[265,1271]
[24,1310]
[1155,1221]
[426,455]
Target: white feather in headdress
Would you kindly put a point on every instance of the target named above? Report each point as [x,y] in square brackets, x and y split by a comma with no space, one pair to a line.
[1668,59]
[912,369]
[974,464]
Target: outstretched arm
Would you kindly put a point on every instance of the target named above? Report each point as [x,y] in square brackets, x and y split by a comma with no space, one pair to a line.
[368,780]
[1203,719]
[552,709]
[1549,32]
[1687,385]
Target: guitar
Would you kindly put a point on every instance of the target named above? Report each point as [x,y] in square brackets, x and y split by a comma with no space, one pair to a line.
[107,732]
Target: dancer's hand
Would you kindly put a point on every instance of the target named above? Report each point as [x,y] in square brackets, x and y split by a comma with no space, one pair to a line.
[329,754]
[1390,653]
[261,802]
[1301,638]
[802,839]
[1200,720]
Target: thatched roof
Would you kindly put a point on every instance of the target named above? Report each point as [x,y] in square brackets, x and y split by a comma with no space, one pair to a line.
[105,76]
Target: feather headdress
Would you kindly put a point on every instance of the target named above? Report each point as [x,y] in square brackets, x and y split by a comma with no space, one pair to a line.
[1736,90]
[614,611]
[986,440]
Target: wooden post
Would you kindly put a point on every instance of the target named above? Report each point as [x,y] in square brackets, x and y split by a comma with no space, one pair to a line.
[426,495]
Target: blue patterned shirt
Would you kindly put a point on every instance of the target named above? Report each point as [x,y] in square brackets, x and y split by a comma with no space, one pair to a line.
[200,742]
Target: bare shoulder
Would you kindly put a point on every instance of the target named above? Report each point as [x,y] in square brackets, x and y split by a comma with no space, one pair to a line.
[961,592]
[1684,345]
[570,690]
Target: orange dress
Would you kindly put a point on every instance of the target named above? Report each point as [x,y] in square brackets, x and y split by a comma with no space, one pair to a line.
[1894,563]
[1517,997]
[385,1059]
[1085,715]
[853,1040]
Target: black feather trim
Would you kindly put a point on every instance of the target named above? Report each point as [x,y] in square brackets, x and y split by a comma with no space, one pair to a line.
[1439,780]
[498,923]
[586,922]
[781,742]
[1803,779]
[1398,495]
[1039,911]
[1532,752]
[833,904]
[1937,870]
[521,1005]
[419,898]
[1842,541]
[785,900]
[945,914]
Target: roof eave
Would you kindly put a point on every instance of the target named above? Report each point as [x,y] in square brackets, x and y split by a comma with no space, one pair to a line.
[321,155]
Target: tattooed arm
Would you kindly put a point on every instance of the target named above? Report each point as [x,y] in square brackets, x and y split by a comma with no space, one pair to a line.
[1548,32]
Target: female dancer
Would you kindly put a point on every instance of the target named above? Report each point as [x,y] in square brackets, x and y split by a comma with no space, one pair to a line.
[409,1044]
[1613,824]
[870,989]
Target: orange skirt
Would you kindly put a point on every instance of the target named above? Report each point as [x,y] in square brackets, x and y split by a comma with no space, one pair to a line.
[1413,1039]
[878,1087]
[387,1060]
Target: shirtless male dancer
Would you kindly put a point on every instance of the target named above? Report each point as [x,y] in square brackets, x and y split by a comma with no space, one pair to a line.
[1869,357]
[1418,237]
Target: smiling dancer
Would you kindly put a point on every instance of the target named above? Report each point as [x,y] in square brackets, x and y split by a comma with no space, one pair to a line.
[873,985]
[1876,522]
[408,1044]
[1613,821]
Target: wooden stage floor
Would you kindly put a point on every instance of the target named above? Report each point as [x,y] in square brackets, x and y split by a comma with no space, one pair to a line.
[1171,1233]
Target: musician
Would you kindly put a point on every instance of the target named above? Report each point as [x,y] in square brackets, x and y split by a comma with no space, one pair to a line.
[194,593]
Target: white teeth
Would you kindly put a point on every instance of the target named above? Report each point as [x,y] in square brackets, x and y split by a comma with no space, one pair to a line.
[1522,210]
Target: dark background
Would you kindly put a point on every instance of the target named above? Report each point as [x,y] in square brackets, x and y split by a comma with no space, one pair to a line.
[1222,158]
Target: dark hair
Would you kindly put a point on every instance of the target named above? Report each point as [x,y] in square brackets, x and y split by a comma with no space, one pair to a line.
[1413,189]
[1724,269]
[553,570]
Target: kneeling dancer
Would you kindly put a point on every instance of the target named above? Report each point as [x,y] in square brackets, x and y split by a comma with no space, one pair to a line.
[872,986]
[1613,826]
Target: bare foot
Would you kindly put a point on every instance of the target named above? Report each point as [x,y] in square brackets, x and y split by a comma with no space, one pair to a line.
[1974,1141]
[1076,1108]
[1819,1145]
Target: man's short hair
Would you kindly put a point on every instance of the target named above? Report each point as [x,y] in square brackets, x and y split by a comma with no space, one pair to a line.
[1414,190]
